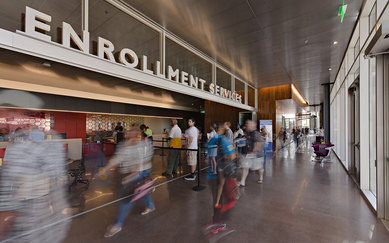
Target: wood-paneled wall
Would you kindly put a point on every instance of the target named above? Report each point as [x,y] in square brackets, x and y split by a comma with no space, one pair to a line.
[219,112]
[267,98]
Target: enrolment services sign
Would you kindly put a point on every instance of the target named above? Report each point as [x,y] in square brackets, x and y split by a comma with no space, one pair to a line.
[37,25]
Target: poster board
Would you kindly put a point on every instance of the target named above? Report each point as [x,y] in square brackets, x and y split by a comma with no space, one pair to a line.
[268,125]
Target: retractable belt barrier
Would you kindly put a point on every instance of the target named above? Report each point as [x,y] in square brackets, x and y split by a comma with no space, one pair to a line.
[199,187]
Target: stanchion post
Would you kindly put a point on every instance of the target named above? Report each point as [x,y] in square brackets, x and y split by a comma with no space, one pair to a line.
[199,187]
[163,145]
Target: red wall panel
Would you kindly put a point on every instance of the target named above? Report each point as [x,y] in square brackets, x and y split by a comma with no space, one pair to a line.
[73,124]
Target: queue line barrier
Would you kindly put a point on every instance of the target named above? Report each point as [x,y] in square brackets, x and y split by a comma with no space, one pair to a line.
[198,187]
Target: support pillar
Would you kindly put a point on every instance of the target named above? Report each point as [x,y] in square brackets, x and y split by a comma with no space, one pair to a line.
[326,111]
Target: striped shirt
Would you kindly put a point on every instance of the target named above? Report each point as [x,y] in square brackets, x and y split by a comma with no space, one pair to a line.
[33,184]
[134,157]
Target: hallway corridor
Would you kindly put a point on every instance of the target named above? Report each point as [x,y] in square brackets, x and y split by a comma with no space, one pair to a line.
[299,201]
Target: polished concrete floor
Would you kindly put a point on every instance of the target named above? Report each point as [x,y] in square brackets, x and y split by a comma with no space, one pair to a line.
[299,201]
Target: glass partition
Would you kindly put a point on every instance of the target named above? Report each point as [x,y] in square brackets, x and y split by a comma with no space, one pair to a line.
[251,96]
[70,11]
[239,88]
[181,58]
[372,17]
[123,31]
[223,79]
[373,125]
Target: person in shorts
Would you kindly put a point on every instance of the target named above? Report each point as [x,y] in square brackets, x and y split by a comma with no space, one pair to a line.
[174,154]
[255,157]
[212,151]
[192,135]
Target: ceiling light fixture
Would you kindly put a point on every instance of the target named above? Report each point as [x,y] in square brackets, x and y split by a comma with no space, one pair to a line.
[298,95]
[336,42]
[330,69]
[46,64]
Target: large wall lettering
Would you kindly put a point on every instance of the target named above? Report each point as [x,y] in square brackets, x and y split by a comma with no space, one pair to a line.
[37,24]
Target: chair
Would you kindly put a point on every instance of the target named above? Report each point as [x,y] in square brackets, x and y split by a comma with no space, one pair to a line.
[76,170]
[321,151]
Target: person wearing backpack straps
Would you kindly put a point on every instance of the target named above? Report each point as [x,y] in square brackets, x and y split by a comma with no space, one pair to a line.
[223,191]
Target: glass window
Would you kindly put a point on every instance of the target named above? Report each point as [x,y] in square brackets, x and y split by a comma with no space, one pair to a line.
[356,49]
[251,96]
[373,125]
[373,17]
[12,15]
[223,79]
[239,88]
[356,74]
[123,31]
[181,58]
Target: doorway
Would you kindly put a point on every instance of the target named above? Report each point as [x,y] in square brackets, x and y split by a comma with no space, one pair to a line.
[244,116]
[354,166]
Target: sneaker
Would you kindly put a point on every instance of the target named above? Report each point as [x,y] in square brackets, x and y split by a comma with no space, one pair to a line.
[209,226]
[213,238]
[147,211]
[113,230]
[190,177]
[218,227]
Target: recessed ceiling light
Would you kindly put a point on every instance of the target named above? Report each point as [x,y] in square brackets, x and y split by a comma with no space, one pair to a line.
[306,41]
[335,42]
[330,69]
[46,64]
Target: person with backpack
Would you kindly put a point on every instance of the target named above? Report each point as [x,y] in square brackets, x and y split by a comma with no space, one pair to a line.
[223,186]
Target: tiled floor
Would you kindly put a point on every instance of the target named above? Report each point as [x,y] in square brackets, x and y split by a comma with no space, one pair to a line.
[299,201]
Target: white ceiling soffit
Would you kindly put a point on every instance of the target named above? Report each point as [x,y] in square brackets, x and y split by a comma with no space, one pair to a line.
[380,42]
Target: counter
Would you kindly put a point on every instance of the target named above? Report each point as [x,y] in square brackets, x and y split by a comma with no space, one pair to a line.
[72,145]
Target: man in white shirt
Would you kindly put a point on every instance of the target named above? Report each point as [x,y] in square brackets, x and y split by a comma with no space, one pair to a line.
[238,132]
[191,135]
[229,135]
[175,142]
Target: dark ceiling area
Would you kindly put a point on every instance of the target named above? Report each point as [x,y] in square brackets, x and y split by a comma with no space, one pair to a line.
[266,42]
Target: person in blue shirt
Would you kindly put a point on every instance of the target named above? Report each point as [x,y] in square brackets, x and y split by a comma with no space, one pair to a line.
[225,183]
[36,135]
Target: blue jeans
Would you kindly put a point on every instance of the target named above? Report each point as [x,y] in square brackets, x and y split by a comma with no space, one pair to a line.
[126,206]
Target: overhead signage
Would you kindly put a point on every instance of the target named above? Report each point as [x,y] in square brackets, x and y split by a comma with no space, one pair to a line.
[37,25]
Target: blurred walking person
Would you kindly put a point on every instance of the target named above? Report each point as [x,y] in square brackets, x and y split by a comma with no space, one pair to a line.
[223,186]
[134,161]
[255,157]
[229,134]
[212,150]
[33,190]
